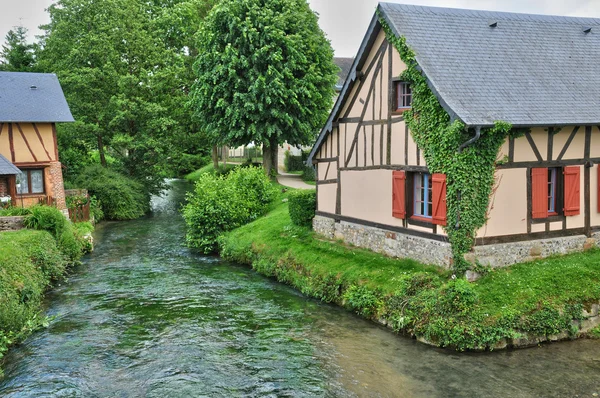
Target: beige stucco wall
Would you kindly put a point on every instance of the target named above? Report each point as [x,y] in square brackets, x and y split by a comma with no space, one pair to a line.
[594,195]
[326,198]
[508,205]
[367,195]
[577,147]
[43,150]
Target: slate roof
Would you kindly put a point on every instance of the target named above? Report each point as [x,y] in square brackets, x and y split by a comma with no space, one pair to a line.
[32,97]
[7,168]
[529,70]
[345,64]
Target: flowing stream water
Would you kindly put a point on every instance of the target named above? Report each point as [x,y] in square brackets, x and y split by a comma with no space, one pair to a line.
[145,317]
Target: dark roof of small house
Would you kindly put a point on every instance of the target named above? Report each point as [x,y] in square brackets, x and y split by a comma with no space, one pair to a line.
[7,168]
[345,64]
[527,70]
[32,97]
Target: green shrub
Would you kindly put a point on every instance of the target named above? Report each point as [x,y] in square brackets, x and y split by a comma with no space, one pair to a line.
[14,211]
[120,197]
[185,163]
[302,207]
[46,218]
[29,260]
[220,204]
[294,162]
[363,300]
[211,209]
[309,174]
[253,188]
[51,219]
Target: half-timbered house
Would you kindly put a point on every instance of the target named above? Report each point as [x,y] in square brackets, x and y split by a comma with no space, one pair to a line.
[540,73]
[30,106]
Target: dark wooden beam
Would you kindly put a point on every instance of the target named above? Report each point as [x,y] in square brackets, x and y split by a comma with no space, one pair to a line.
[536,152]
[326,182]
[587,181]
[11,142]
[568,143]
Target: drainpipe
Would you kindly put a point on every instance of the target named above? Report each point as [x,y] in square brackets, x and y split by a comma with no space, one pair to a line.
[465,144]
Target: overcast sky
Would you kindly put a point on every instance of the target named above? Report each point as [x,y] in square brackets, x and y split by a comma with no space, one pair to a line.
[344,21]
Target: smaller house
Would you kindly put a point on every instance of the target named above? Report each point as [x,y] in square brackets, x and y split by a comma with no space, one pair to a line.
[30,106]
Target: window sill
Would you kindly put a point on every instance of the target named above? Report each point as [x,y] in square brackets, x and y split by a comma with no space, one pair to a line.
[553,217]
[420,221]
[31,195]
[400,111]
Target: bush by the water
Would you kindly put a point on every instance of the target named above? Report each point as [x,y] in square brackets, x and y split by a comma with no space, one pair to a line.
[302,207]
[120,197]
[69,238]
[30,260]
[222,203]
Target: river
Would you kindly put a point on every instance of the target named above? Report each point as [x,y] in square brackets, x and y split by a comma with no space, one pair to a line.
[145,317]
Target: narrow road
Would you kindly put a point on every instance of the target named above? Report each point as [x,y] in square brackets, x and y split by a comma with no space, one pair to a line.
[293,181]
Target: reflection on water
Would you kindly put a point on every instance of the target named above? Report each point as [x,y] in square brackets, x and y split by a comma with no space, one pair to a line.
[145,317]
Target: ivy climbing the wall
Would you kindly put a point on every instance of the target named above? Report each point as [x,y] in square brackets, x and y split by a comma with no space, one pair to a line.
[470,172]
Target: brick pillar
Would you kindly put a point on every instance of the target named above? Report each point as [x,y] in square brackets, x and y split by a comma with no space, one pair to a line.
[57,189]
[4,186]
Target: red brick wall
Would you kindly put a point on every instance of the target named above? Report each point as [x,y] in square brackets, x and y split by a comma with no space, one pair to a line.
[57,189]
[4,186]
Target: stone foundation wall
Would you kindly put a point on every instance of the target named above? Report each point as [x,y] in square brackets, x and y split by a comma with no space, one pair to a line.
[395,244]
[390,243]
[505,254]
[11,223]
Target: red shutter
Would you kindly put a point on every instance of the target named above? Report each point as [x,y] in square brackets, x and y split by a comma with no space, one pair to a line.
[439,199]
[399,194]
[539,192]
[572,196]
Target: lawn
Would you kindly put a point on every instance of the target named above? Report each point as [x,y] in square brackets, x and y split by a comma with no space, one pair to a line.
[537,299]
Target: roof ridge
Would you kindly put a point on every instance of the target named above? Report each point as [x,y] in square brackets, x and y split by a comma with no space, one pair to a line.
[466,12]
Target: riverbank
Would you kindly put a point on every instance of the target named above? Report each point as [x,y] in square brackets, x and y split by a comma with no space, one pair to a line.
[30,262]
[526,304]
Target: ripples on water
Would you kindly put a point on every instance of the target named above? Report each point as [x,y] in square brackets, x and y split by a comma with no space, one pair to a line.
[145,317]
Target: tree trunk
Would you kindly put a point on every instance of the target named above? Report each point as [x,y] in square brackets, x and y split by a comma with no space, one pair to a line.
[270,149]
[101,151]
[215,156]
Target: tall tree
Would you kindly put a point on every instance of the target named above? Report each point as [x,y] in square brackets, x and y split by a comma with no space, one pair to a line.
[265,73]
[122,79]
[17,55]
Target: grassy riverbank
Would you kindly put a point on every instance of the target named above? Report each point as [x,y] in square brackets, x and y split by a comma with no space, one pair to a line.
[30,262]
[543,300]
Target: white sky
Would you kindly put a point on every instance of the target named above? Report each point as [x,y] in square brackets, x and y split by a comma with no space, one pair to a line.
[344,21]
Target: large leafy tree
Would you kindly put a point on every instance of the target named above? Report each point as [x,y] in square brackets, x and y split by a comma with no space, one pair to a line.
[125,78]
[265,74]
[17,55]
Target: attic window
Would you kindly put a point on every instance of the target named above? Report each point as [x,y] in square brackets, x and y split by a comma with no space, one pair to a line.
[402,96]
[33,87]
[493,24]
[587,29]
